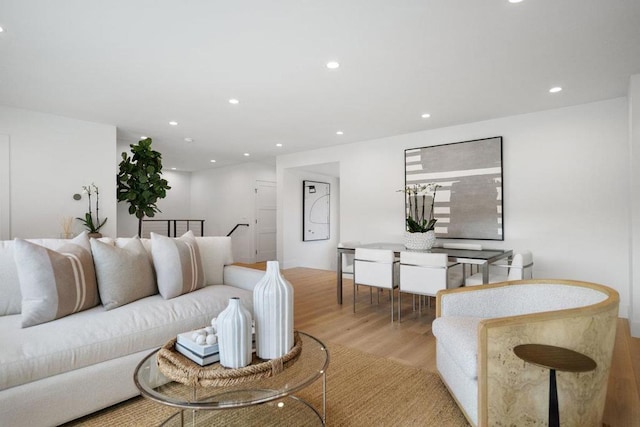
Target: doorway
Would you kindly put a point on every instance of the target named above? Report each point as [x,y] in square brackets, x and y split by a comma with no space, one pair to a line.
[265,229]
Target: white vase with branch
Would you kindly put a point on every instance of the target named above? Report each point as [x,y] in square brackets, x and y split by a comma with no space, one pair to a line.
[93,227]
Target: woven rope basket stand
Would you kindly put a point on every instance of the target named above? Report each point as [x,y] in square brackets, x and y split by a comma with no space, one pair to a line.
[178,368]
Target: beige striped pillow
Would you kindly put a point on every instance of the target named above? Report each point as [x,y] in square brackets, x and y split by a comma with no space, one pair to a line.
[54,284]
[177,264]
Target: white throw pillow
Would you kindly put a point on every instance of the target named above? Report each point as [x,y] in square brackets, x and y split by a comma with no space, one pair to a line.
[10,296]
[215,252]
[124,274]
[55,284]
[177,264]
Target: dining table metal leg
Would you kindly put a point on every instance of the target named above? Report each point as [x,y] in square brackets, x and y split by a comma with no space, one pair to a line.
[485,273]
[339,277]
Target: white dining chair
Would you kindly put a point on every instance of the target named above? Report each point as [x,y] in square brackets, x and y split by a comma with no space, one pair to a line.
[424,274]
[347,259]
[520,268]
[376,268]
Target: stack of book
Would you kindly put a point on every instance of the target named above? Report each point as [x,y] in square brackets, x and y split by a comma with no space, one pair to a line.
[202,354]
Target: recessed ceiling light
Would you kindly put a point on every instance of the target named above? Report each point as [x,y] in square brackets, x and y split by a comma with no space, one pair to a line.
[212,161]
[143,137]
[555,89]
[515,1]
[332,65]
[278,145]
[173,169]
[188,140]
[339,133]
[234,101]
[247,154]
[172,123]
[426,115]
[1,29]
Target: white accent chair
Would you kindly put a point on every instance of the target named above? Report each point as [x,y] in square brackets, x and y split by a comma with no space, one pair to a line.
[520,268]
[477,327]
[376,268]
[424,274]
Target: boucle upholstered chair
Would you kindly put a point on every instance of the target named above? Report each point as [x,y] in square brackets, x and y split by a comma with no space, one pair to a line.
[476,329]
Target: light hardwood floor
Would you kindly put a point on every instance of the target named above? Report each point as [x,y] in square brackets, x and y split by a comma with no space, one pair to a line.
[412,343]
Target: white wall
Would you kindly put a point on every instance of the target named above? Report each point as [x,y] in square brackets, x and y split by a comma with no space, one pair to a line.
[225,197]
[634,197]
[565,188]
[319,254]
[52,157]
[5,187]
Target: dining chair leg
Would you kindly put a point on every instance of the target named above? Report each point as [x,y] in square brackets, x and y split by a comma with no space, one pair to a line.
[391,292]
[354,297]
[399,304]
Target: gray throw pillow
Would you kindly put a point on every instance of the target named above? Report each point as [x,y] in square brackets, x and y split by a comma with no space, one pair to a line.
[124,274]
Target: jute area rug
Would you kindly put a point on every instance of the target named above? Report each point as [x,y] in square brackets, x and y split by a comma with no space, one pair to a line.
[362,390]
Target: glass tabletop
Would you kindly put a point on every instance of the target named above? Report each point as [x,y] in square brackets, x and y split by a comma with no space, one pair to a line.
[311,365]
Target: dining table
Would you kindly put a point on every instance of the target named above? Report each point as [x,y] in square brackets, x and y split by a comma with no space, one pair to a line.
[482,258]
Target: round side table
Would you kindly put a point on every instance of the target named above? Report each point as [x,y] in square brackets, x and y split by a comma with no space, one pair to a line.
[555,359]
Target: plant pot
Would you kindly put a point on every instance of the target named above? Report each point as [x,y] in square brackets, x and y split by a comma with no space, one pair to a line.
[419,241]
[95,235]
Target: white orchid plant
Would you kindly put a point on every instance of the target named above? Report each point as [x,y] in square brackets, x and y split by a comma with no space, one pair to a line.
[417,221]
[92,227]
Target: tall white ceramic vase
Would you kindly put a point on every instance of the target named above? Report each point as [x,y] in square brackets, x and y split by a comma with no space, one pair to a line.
[234,335]
[273,314]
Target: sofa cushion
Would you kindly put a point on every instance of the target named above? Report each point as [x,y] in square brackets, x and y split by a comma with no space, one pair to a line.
[459,336]
[97,335]
[55,284]
[124,274]
[177,264]
[215,252]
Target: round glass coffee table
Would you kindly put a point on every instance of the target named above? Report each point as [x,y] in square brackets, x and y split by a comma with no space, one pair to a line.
[266,401]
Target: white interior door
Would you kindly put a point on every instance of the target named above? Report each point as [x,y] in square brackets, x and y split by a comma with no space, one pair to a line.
[265,228]
[5,188]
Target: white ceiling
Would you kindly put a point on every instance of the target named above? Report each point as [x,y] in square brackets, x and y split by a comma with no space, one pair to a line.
[140,64]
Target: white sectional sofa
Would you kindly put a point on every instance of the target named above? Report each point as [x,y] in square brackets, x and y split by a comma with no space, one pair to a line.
[55,371]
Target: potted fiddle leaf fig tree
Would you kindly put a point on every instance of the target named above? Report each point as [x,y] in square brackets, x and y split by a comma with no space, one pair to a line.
[140,181]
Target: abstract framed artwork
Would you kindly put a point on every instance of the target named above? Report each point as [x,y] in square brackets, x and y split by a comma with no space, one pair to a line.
[315,210]
[468,202]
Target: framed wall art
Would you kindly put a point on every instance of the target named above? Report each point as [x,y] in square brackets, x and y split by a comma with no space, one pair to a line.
[468,202]
[315,210]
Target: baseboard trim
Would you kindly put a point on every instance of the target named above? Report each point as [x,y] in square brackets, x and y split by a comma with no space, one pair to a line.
[635,329]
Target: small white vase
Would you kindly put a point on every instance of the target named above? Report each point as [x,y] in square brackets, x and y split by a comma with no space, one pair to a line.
[273,314]
[419,241]
[234,335]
